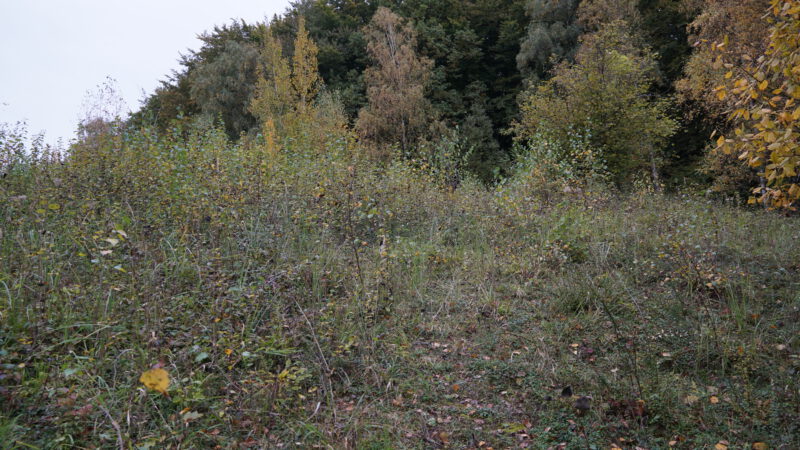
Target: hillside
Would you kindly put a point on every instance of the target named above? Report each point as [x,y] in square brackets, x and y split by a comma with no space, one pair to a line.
[385,279]
[323,300]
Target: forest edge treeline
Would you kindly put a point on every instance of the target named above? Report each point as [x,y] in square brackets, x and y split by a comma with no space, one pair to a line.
[476,71]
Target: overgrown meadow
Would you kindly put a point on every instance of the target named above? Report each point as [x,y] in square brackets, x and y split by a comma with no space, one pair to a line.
[305,294]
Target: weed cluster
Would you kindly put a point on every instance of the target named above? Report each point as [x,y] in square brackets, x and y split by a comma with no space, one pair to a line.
[299,293]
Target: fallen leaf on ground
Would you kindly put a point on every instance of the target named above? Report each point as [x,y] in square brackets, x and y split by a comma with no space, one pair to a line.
[156,380]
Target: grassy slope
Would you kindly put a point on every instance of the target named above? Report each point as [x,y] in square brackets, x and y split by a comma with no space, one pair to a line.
[344,306]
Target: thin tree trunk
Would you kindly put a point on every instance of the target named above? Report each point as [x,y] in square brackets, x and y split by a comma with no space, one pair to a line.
[654,170]
[403,138]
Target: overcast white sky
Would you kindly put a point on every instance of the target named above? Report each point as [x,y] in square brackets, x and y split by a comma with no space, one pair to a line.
[53,51]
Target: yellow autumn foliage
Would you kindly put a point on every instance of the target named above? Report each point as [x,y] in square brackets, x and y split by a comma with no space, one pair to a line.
[155,380]
[765,94]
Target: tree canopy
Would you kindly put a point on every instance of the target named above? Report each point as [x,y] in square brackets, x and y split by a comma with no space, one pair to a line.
[487,72]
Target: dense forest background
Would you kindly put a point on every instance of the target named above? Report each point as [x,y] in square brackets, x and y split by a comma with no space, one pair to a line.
[486,65]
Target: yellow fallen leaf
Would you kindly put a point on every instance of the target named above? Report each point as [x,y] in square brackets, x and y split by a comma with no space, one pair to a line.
[720,446]
[760,446]
[156,380]
[714,399]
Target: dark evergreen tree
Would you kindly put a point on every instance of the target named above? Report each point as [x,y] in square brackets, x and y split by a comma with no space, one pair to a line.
[484,52]
[551,35]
